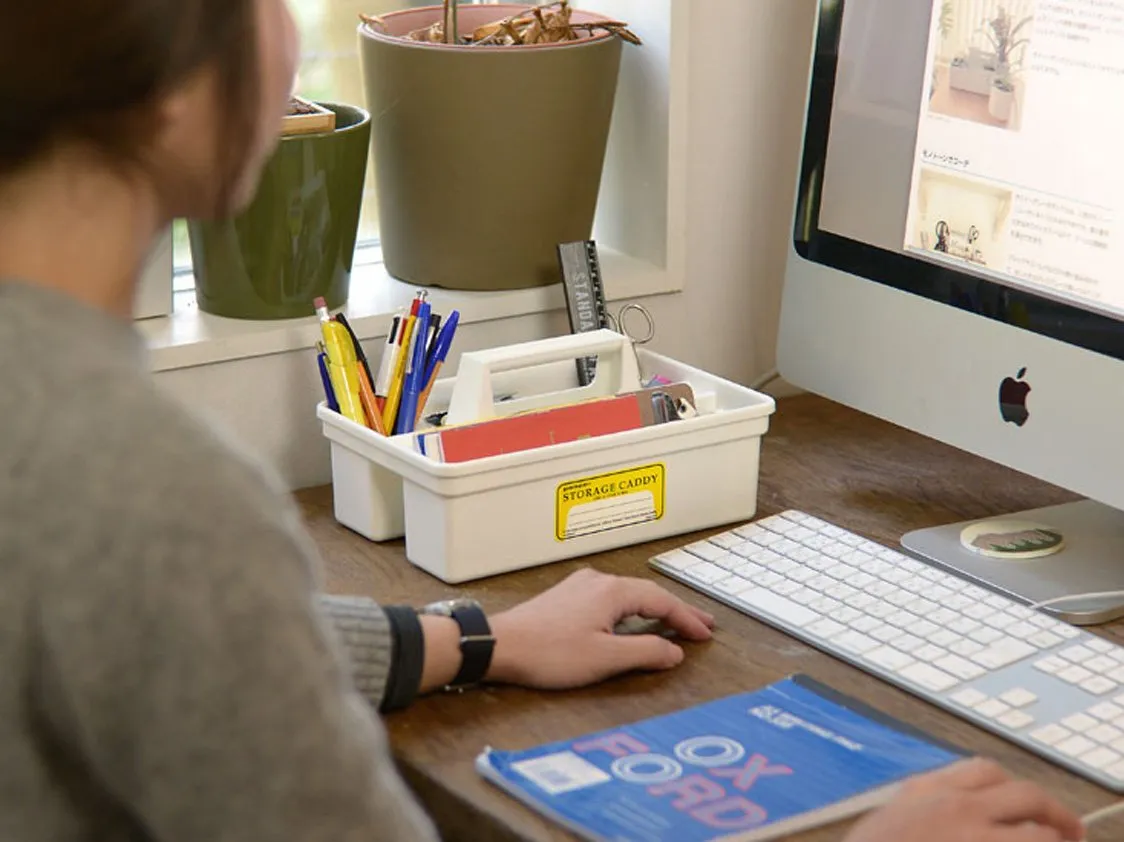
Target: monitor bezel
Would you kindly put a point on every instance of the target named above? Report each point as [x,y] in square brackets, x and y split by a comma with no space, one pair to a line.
[986,297]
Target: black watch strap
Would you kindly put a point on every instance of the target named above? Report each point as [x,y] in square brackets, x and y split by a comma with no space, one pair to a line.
[477,644]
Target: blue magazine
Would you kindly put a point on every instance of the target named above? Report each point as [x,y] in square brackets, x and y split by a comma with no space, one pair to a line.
[749,767]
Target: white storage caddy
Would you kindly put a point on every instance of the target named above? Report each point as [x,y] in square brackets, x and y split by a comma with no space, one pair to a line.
[468,520]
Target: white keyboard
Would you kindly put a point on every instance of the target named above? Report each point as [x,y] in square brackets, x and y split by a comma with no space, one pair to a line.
[1039,682]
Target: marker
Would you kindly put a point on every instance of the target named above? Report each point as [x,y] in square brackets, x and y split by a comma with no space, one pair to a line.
[343,366]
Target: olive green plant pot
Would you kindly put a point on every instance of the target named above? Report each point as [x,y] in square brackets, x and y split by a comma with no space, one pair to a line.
[486,158]
[296,240]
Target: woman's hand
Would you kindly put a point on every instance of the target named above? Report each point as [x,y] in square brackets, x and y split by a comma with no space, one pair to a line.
[564,637]
[975,800]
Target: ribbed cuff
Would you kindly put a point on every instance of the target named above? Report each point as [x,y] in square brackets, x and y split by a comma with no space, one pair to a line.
[407,657]
[367,637]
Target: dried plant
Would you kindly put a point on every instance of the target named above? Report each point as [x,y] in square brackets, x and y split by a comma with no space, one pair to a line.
[548,23]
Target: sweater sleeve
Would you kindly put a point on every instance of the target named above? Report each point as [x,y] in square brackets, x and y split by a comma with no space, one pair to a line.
[183,658]
[385,648]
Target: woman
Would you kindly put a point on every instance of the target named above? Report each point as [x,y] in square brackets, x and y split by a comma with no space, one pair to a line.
[170,672]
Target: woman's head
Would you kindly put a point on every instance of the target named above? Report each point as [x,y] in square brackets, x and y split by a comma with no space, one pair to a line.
[187,94]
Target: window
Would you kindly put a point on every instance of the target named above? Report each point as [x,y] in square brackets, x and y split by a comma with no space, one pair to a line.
[329,71]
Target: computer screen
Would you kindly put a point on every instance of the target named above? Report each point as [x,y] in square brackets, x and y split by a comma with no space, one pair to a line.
[956,264]
[981,169]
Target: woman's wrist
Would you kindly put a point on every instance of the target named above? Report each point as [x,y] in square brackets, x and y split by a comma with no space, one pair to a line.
[505,667]
[442,652]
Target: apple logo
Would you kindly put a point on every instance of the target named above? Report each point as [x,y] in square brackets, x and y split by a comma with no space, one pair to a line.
[1012,399]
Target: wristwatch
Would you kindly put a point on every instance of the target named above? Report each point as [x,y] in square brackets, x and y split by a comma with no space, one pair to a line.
[477,641]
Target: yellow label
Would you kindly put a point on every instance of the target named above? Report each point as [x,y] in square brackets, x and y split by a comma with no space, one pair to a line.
[608,501]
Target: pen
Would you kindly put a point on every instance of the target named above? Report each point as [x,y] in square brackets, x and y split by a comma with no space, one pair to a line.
[325,378]
[343,367]
[415,374]
[434,329]
[394,395]
[386,364]
[440,353]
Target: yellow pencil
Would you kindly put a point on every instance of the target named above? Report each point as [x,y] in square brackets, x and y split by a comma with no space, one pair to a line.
[390,412]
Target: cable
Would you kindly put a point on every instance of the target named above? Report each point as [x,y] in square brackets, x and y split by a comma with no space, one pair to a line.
[1076,596]
[765,379]
[1103,813]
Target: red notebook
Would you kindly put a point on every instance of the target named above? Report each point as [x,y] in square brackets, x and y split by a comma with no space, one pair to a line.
[551,426]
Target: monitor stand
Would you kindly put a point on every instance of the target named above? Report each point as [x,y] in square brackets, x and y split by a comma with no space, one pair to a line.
[1090,560]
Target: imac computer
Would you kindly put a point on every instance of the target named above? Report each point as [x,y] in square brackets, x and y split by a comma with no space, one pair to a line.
[957,265]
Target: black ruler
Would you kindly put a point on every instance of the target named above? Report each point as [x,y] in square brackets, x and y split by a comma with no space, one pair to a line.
[585,296]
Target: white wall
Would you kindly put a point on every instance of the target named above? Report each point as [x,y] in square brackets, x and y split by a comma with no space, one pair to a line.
[747,81]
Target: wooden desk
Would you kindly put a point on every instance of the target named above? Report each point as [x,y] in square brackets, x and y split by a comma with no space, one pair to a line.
[864,474]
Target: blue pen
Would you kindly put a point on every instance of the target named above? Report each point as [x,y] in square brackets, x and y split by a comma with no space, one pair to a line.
[414,375]
[436,359]
[441,347]
[322,363]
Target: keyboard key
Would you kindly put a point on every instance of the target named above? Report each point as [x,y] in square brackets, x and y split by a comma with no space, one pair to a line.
[774,605]
[1116,771]
[1051,665]
[1079,722]
[885,633]
[943,638]
[1075,746]
[865,624]
[1074,674]
[1024,631]
[1101,758]
[825,628]
[1101,664]
[1044,640]
[749,531]
[929,653]
[889,658]
[1016,719]
[908,643]
[960,667]
[963,625]
[966,648]
[726,540]
[986,635]
[1003,653]
[732,585]
[929,677]
[969,697]
[992,709]
[1105,734]
[1106,711]
[706,550]
[678,560]
[1018,698]
[1103,646]
[1051,735]
[856,642]
[1099,685]
[1077,654]
[705,572]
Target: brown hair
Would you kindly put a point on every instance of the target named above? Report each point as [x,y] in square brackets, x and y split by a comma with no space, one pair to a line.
[91,70]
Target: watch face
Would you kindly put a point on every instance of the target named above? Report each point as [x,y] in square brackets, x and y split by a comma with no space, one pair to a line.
[448,606]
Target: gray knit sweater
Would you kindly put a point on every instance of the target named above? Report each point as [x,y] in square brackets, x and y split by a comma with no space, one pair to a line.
[169,670]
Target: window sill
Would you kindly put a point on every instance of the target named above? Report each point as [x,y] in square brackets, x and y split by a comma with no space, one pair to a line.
[190,337]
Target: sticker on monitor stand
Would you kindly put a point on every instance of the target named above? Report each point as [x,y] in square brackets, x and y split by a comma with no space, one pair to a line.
[605,502]
[1011,539]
